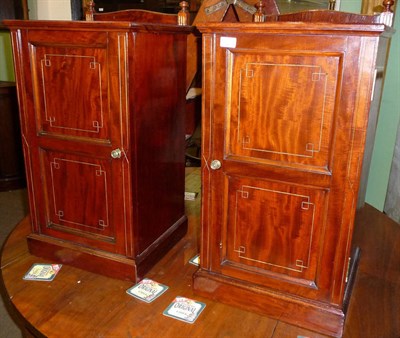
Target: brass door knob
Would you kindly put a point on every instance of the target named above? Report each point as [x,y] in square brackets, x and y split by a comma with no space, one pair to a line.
[215,165]
[116,153]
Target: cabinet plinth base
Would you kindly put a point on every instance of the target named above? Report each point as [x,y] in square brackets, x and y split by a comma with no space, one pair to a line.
[105,263]
[101,262]
[294,310]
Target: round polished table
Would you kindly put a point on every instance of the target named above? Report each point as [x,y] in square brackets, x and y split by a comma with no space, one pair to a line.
[78,303]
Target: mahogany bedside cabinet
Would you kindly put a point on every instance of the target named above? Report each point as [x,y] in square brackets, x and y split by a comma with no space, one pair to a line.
[286,108]
[102,120]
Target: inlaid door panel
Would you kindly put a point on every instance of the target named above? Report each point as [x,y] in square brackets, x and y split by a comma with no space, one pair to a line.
[281,107]
[273,227]
[62,107]
[79,193]
[271,130]
[80,167]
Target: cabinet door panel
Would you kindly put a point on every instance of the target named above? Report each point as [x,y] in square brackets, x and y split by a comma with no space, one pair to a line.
[281,107]
[271,126]
[80,113]
[273,227]
[62,107]
[78,190]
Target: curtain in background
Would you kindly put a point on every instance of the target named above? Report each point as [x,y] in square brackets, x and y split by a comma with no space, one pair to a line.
[77,9]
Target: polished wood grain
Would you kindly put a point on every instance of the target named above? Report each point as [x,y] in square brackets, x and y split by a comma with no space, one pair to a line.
[83,304]
[137,15]
[217,11]
[286,106]
[378,278]
[104,139]
[327,16]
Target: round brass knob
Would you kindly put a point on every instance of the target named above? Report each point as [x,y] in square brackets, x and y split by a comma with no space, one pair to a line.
[215,165]
[116,153]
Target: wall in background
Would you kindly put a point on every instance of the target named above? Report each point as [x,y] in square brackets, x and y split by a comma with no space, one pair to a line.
[352,6]
[389,117]
[38,10]
[392,202]
[388,122]
[49,9]
[6,62]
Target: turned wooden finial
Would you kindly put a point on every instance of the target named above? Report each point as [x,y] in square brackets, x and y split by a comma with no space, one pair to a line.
[387,4]
[183,14]
[259,15]
[386,17]
[89,14]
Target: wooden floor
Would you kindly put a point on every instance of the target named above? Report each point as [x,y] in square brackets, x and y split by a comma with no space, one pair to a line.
[82,304]
[375,304]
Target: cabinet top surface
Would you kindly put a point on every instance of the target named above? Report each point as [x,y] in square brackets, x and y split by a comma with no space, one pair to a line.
[279,27]
[313,21]
[95,25]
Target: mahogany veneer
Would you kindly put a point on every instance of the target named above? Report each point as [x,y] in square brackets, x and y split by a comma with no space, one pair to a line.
[102,107]
[285,112]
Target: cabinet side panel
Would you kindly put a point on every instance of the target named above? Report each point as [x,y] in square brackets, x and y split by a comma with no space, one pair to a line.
[158,120]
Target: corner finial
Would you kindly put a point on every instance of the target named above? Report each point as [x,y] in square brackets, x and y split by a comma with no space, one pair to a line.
[387,4]
[183,14]
[259,15]
[89,13]
[386,17]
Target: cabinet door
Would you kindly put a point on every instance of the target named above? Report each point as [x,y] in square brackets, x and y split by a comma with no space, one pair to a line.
[79,109]
[269,120]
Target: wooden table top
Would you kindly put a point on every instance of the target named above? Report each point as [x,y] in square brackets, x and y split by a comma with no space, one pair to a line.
[83,304]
